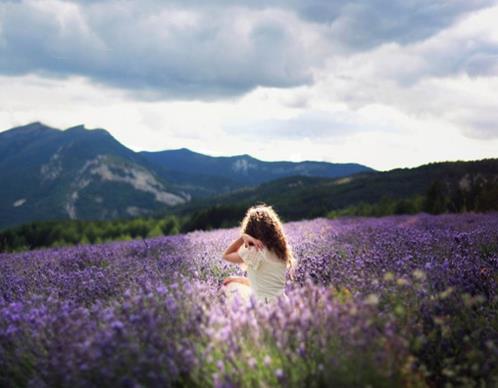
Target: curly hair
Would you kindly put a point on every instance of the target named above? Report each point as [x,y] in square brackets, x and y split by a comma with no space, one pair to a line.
[263,223]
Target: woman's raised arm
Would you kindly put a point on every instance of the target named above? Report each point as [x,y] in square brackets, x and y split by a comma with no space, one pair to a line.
[231,254]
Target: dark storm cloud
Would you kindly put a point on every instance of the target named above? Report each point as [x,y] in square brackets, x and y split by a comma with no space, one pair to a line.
[206,50]
[157,52]
[365,24]
[357,23]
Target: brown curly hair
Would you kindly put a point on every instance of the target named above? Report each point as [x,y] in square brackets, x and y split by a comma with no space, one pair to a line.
[263,223]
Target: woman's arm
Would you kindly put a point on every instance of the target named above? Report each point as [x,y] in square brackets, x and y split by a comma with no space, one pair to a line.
[231,253]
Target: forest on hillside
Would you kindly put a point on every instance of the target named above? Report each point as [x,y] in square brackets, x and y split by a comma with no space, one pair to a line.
[441,197]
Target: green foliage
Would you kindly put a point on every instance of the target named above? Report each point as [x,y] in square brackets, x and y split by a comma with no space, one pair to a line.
[155,232]
[386,206]
[442,196]
[170,226]
[436,200]
[476,195]
[71,232]
[214,217]
[434,188]
[465,186]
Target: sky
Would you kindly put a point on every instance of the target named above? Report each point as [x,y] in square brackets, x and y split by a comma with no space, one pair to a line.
[384,83]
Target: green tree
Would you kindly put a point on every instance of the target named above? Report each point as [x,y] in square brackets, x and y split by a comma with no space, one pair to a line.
[436,199]
[155,231]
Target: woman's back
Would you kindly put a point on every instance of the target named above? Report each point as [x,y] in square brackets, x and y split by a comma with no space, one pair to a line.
[266,272]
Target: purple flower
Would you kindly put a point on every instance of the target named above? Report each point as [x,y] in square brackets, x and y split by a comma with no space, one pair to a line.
[148,313]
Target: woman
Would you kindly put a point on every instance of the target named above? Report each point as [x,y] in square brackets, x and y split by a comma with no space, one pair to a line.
[263,250]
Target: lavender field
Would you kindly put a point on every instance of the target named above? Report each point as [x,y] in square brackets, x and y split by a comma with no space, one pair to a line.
[399,301]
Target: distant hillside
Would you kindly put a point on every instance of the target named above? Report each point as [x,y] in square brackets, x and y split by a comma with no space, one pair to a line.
[77,173]
[307,197]
[434,188]
[244,170]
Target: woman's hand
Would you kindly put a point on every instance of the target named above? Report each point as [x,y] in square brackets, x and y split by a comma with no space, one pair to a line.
[249,240]
[231,253]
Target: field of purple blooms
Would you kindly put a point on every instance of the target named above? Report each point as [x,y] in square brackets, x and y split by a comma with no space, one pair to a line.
[398,301]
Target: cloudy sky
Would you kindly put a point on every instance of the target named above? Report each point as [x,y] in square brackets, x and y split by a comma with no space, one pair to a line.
[386,83]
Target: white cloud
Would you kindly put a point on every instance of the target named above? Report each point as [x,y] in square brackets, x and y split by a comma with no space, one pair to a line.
[435,78]
[391,139]
[281,80]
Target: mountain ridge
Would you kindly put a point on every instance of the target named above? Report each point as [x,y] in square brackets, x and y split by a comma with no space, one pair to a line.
[299,197]
[80,173]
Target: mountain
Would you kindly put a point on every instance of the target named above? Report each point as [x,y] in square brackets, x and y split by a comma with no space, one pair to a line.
[48,173]
[299,197]
[79,173]
[434,188]
[243,170]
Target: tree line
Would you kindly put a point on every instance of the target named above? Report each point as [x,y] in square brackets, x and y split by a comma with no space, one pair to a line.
[441,197]
[71,232]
